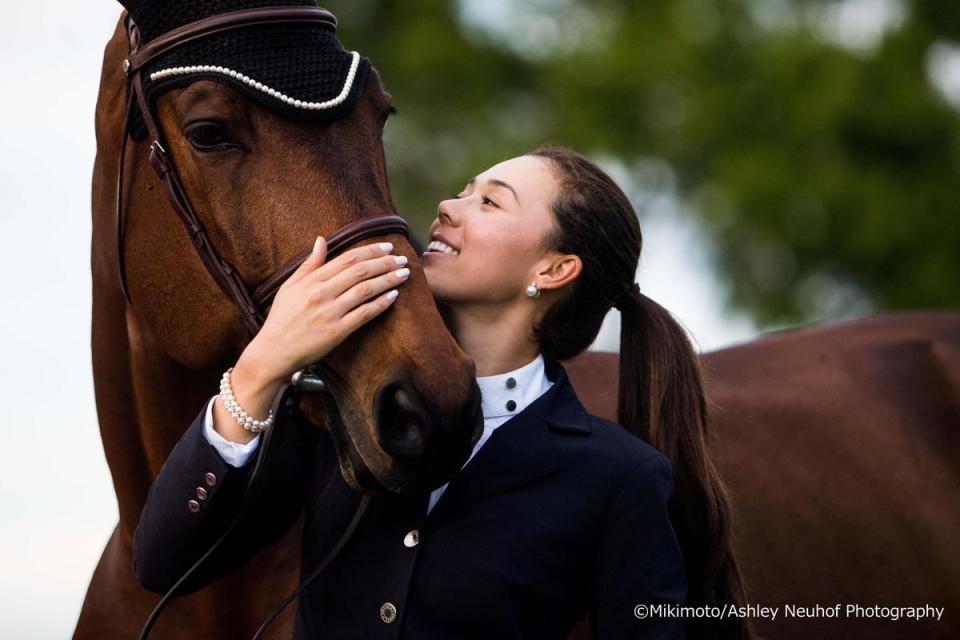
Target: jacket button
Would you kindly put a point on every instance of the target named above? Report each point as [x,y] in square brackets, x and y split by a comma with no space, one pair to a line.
[511,405]
[193,505]
[388,612]
[201,493]
[210,479]
[412,538]
[511,383]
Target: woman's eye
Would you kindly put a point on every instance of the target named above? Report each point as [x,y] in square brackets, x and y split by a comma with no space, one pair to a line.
[487,200]
[207,136]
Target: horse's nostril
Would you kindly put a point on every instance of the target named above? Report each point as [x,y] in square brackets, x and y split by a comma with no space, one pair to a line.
[404,423]
[404,400]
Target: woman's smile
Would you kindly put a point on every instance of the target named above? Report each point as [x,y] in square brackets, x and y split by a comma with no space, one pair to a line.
[440,248]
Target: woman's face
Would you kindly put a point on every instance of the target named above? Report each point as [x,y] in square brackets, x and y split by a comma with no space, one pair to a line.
[496,228]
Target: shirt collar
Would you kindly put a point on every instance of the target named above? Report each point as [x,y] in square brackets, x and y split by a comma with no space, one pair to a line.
[507,394]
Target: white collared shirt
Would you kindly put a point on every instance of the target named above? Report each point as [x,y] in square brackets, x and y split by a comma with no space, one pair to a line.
[502,396]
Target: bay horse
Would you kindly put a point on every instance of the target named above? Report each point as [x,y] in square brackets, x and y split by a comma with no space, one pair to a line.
[403,379]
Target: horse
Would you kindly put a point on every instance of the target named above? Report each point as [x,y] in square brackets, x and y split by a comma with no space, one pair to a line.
[840,444]
[408,402]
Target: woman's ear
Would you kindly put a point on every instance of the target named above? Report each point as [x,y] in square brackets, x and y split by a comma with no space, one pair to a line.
[561,270]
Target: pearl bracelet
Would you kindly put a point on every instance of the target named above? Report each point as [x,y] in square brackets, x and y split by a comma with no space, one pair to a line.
[235,410]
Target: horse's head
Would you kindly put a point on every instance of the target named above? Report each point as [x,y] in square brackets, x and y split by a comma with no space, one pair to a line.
[263,186]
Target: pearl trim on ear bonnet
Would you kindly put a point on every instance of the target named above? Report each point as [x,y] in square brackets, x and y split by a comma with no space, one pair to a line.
[300,104]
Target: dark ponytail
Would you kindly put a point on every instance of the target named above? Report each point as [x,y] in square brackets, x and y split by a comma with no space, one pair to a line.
[661,399]
[661,396]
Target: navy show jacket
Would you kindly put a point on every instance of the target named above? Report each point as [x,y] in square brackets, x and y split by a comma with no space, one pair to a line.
[559,515]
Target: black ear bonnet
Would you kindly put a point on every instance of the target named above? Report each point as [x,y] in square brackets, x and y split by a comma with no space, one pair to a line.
[300,71]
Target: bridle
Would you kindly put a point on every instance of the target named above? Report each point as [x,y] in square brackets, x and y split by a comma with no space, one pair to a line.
[250,303]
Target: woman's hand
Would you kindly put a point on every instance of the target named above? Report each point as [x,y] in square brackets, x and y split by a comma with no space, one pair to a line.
[314,310]
[320,304]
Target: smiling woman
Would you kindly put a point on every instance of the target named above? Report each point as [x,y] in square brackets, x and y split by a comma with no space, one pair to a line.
[553,225]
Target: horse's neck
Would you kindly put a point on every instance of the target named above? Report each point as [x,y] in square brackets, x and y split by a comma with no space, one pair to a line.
[145,401]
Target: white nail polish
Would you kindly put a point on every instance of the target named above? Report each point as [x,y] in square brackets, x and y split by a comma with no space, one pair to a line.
[392,294]
[402,273]
[386,246]
[400,259]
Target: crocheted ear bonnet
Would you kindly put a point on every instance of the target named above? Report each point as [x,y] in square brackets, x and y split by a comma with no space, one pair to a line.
[297,70]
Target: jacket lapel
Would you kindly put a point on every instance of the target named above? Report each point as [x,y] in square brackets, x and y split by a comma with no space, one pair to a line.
[520,450]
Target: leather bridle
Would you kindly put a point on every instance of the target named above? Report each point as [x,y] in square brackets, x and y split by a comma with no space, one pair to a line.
[251,304]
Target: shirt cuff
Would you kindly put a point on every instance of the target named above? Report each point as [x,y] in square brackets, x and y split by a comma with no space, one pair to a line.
[233,453]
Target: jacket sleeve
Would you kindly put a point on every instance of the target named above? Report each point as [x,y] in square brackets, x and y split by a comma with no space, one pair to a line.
[197,495]
[639,560]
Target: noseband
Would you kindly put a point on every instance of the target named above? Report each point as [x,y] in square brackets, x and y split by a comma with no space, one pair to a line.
[251,304]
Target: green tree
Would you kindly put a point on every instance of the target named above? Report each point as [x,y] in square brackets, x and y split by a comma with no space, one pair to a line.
[824,171]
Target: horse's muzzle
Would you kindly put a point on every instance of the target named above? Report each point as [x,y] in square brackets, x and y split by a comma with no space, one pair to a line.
[420,438]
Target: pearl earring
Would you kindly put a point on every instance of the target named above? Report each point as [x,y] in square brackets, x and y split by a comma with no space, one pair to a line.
[532,290]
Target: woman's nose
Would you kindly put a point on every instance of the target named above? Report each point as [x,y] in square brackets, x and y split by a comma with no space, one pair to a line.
[447,211]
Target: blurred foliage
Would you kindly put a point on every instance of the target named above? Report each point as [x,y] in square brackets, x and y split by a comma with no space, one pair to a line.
[819,157]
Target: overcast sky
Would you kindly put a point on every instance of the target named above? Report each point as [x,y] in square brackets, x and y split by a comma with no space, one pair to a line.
[57,505]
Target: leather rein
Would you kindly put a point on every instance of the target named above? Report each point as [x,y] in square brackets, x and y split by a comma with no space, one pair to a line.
[251,303]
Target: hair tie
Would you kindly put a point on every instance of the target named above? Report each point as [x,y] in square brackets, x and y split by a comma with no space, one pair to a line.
[633,291]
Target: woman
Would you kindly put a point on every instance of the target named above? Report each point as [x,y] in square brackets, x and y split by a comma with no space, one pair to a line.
[558,515]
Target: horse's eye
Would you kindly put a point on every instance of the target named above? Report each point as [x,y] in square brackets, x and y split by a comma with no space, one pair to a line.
[208,136]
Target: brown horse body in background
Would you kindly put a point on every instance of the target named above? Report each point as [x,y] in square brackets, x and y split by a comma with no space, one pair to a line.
[839,443]
[841,447]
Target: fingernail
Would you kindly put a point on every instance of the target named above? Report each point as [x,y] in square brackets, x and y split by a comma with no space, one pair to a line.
[402,273]
[400,259]
[386,246]
[316,245]
[392,294]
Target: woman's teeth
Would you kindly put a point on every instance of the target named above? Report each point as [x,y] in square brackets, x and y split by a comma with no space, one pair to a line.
[436,245]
